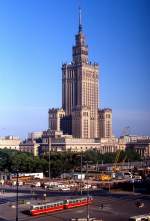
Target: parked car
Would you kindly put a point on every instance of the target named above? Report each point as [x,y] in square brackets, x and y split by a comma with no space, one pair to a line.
[128,175]
[65,189]
[137,178]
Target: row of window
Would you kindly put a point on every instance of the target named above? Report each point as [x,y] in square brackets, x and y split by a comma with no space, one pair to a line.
[108,116]
[14,148]
[48,206]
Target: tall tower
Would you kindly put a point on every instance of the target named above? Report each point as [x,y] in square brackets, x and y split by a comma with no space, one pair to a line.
[80,83]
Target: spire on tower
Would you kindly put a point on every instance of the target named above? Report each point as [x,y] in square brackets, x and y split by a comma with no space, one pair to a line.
[80,20]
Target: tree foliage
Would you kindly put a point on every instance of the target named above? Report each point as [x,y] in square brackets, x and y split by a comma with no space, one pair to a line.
[11,160]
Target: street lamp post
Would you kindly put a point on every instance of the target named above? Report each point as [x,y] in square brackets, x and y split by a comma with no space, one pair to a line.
[49,158]
[17,197]
[133,187]
[49,164]
[81,172]
[88,215]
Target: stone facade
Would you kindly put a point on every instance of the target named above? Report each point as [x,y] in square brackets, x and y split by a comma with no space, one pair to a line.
[10,142]
[109,145]
[55,116]
[30,146]
[81,122]
[141,146]
[105,123]
[60,143]
[35,135]
[63,144]
[80,83]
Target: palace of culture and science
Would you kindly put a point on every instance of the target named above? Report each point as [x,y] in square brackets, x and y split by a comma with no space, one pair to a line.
[79,124]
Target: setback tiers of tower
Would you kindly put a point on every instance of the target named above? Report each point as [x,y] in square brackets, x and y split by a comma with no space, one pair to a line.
[79,115]
[80,90]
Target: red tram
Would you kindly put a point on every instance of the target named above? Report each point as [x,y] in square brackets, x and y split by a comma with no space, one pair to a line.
[71,203]
[59,205]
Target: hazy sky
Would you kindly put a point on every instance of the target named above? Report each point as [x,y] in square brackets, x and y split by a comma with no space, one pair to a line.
[36,36]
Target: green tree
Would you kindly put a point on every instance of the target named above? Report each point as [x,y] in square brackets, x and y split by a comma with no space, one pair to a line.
[132,155]
[91,156]
[109,157]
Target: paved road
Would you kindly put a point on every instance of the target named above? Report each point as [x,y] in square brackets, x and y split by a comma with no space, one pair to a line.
[117,207]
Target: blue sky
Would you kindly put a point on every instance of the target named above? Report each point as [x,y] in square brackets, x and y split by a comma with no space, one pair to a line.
[36,36]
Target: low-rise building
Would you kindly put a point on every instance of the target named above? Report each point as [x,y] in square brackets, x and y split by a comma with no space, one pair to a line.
[39,175]
[142,147]
[109,145]
[78,176]
[141,144]
[10,142]
[30,146]
[68,144]
[58,142]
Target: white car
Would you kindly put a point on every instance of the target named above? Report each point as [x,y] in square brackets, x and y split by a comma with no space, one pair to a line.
[65,189]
